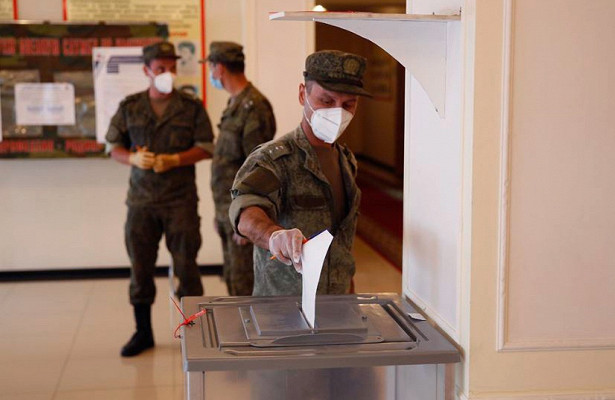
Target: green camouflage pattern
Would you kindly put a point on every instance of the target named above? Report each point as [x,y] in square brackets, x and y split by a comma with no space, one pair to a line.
[143,230]
[247,122]
[284,178]
[336,70]
[225,52]
[159,50]
[185,124]
[164,203]
[238,272]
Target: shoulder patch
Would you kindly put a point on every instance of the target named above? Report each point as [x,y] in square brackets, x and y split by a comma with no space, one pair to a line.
[276,150]
[260,181]
[247,104]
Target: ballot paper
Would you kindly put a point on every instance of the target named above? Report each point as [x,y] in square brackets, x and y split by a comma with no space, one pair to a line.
[312,257]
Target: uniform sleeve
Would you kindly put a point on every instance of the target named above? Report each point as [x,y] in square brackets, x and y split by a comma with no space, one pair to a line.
[203,134]
[256,184]
[117,134]
[258,128]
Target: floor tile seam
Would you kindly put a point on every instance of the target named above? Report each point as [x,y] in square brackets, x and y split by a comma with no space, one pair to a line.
[84,311]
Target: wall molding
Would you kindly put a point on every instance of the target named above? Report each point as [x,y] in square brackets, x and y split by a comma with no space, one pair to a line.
[504,189]
[503,342]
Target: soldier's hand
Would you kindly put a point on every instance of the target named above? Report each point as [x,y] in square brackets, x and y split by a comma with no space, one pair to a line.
[241,241]
[142,158]
[164,162]
[285,245]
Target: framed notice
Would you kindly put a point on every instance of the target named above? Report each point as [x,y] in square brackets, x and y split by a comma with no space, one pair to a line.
[45,104]
[47,85]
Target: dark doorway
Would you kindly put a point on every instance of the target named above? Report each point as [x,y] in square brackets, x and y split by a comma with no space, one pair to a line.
[376,135]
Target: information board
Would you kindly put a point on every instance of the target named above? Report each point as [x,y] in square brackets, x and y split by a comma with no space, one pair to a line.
[47,59]
[183,17]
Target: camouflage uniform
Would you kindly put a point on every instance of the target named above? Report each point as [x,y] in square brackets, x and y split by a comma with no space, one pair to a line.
[162,202]
[284,178]
[247,122]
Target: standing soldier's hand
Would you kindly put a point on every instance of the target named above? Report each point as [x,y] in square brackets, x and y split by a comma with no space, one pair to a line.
[142,158]
[165,162]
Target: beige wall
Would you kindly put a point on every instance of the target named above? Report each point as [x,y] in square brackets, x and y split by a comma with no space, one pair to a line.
[534,267]
[542,296]
[70,213]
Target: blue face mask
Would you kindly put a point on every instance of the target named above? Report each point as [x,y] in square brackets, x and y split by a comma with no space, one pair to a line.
[217,83]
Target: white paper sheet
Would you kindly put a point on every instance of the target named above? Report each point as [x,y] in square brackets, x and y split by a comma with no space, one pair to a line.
[312,258]
[118,72]
[45,103]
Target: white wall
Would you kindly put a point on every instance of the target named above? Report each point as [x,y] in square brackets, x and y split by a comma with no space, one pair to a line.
[70,213]
[432,189]
[276,56]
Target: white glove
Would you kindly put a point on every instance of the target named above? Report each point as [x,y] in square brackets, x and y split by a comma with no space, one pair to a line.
[285,245]
[165,162]
[141,158]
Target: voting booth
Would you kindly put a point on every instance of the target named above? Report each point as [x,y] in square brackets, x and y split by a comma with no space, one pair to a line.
[264,347]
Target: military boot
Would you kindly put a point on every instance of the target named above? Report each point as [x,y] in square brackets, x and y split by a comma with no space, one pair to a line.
[143,338]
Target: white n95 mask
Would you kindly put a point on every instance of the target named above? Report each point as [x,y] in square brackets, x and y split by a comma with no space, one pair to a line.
[328,123]
[164,82]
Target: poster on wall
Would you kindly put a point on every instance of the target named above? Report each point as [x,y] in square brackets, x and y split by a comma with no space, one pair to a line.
[118,72]
[7,10]
[54,62]
[183,17]
[45,104]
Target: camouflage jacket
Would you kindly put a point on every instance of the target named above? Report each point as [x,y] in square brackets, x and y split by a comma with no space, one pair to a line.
[284,178]
[246,122]
[185,124]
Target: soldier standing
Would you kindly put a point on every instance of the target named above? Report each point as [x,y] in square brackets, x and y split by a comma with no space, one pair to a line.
[161,133]
[246,122]
[303,183]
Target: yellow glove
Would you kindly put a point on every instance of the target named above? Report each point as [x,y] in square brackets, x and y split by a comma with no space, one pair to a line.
[141,158]
[165,162]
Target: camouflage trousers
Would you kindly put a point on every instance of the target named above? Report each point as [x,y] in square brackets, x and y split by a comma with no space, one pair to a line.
[144,229]
[238,268]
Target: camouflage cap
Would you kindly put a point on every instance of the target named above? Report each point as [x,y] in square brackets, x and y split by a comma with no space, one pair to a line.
[336,70]
[225,52]
[159,50]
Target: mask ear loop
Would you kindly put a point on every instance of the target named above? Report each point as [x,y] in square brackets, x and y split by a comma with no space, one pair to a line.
[311,108]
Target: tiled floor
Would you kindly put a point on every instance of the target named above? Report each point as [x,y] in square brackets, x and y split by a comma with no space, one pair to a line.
[60,340]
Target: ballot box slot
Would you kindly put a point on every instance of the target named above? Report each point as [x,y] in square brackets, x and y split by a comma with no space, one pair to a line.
[402,320]
[210,336]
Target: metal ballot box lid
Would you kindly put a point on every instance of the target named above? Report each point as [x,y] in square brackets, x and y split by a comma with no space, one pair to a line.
[364,330]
